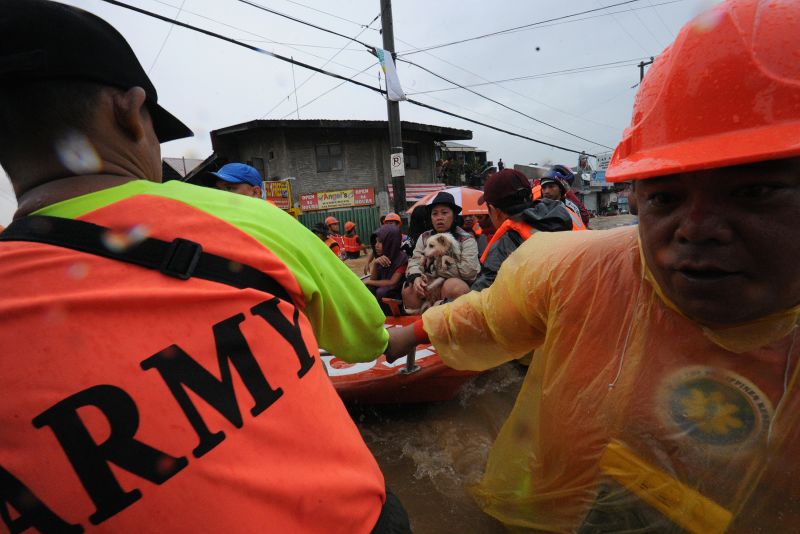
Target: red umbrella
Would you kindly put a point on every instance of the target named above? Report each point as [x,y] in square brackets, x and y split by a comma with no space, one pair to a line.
[466,197]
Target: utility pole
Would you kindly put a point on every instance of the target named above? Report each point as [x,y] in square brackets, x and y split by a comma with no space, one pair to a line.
[393,111]
[642,65]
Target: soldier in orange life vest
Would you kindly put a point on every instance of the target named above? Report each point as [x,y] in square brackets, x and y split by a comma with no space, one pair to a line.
[332,223]
[516,217]
[352,243]
[160,342]
[664,390]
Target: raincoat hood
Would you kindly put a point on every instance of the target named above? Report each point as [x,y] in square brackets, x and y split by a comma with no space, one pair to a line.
[391,240]
[548,216]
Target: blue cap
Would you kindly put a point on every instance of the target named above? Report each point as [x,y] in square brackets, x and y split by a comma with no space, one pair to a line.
[239,173]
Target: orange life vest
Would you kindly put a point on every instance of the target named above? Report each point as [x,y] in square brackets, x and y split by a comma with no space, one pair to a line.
[523,229]
[351,244]
[134,401]
[338,238]
[577,222]
[526,230]
[334,246]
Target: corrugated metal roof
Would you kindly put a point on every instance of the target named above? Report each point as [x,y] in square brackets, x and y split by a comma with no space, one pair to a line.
[441,132]
[182,166]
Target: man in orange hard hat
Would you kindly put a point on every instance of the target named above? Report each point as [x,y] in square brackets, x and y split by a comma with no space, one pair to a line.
[663,391]
[333,232]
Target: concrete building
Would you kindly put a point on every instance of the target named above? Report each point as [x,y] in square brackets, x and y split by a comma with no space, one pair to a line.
[327,155]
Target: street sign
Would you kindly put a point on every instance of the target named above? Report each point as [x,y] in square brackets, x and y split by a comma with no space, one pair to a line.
[397,164]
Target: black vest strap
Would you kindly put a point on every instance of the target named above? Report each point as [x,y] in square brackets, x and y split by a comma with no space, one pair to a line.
[180,258]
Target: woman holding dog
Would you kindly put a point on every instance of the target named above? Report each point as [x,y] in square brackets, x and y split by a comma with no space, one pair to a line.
[442,213]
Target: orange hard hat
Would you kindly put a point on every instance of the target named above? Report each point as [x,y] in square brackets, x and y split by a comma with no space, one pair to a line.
[349,225]
[331,220]
[726,92]
[392,216]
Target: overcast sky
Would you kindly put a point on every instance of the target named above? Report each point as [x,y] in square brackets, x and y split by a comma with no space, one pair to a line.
[211,84]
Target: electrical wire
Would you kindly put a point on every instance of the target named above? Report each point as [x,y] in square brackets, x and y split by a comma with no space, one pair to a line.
[331,74]
[574,70]
[515,28]
[262,38]
[279,102]
[331,90]
[504,105]
[300,21]
[166,38]
[331,15]
[510,90]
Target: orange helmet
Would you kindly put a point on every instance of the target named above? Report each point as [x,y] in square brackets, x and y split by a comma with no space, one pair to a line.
[331,220]
[726,92]
[392,216]
[349,225]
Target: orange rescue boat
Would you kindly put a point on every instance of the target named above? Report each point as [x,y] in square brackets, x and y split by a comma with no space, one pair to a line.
[428,379]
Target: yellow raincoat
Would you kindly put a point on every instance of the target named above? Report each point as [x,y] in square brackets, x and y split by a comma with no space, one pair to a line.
[631,416]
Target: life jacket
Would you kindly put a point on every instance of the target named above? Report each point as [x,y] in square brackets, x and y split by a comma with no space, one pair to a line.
[351,244]
[522,228]
[334,246]
[338,238]
[536,191]
[134,401]
[526,230]
[577,222]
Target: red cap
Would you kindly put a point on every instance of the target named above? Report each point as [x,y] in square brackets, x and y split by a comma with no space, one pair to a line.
[502,188]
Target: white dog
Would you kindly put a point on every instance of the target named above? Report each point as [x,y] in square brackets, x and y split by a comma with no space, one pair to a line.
[440,253]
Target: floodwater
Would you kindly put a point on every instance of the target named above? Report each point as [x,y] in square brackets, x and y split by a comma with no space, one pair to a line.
[431,453]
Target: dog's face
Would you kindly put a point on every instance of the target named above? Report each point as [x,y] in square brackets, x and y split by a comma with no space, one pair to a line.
[439,245]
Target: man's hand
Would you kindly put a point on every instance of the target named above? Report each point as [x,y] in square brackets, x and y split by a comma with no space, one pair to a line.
[401,342]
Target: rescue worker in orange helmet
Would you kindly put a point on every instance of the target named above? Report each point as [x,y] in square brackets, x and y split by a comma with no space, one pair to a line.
[332,223]
[160,343]
[322,232]
[392,217]
[674,406]
[508,196]
[352,243]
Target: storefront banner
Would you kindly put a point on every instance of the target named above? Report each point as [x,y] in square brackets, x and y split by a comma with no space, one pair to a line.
[279,193]
[345,198]
[364,196]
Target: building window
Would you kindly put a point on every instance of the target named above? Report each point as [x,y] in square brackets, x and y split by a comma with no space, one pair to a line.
[411,155]
[329,157]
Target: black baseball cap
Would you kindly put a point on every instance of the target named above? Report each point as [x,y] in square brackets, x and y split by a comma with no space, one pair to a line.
[44,40]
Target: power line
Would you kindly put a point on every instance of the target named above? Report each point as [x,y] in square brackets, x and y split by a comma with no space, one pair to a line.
[331,74]
[574,70]
[332,89]
[263,38]
[300,21]
[166,38]
[669,32]
[517,93]
[507,30]
[331,15]
[504,105]
[279,102]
